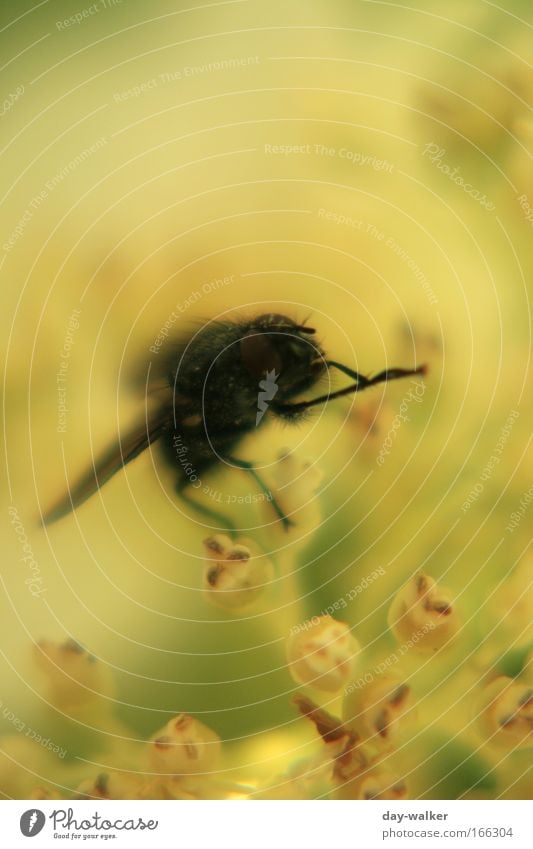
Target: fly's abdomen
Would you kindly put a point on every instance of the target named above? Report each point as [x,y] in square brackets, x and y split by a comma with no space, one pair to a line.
[192,455]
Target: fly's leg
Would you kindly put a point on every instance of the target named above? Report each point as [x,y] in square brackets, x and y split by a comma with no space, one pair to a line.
[246,466]
[206,512]
[361,382]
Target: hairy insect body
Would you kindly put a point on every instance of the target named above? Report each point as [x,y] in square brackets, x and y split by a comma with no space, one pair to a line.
[220,389]
[223,382]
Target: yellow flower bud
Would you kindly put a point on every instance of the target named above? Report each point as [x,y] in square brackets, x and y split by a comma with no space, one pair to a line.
[507,713]
[354,762]
[235,578]
[378,710]
[293,484]
[422,616]
[74,677]
[323,655]
[184,747]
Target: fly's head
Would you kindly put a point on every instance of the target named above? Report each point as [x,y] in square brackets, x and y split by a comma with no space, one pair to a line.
[278,351]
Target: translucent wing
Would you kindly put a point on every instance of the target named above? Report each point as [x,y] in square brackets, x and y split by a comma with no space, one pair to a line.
[107,464]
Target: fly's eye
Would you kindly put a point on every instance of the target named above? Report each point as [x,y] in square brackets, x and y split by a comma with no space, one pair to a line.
[259,355]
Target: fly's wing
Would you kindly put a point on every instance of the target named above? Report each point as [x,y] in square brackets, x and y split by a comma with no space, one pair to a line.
[110,462]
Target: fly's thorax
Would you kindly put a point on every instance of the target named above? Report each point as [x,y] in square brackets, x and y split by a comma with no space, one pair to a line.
[230,375]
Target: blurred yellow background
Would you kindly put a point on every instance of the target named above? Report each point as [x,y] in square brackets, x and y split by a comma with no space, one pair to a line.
[238,157]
